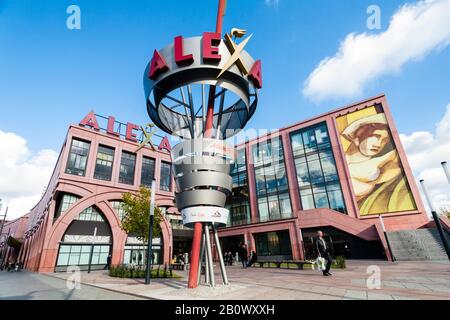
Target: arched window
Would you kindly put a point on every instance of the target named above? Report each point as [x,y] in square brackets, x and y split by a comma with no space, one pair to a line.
[78,245]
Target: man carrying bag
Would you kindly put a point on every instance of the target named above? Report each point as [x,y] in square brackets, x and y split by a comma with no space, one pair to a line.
[323,252]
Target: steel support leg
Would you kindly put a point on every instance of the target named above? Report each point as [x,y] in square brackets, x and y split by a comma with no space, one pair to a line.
[209,255]
[200,263]
[219,252]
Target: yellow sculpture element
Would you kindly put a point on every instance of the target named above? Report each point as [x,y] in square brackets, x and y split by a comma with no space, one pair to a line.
[235,50]
[148,137]
[238,33]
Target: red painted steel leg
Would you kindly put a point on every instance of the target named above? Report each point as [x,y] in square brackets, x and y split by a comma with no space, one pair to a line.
[198,227]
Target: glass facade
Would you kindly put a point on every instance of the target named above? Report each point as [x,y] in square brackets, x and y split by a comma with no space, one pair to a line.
[78,156]
[238,201]
[66,201]
[275,243]
[271,182]
[104,163]
[90,214]
[118,208]
[148,171]
[78,255]
[166,176]
[127,167]
[137,254]
[317,176]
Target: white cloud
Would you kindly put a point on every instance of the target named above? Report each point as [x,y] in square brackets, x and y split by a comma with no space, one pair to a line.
[23,175]
[415,30]
[425,152]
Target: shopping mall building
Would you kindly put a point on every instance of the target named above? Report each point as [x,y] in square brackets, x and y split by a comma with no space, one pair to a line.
[338,172]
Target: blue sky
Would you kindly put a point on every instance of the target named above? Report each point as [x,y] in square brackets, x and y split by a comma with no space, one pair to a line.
[51,76]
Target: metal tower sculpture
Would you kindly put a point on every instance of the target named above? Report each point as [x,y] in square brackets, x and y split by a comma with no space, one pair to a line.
[203,90]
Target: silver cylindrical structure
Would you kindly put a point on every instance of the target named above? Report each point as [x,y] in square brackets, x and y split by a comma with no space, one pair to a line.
[209,256]
[447,172]
[202,175]
[427,196]
[219,252]
[202,254]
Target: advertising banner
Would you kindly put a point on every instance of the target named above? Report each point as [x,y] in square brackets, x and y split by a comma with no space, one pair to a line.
[377,175]
[205,214]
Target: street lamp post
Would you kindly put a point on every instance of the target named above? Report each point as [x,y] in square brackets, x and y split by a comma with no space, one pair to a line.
[92,250]
[447,173]
[4,219]
[436,219]
[150,235]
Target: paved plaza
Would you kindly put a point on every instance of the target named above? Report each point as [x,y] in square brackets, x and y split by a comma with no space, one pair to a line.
[398,281]
[35,286]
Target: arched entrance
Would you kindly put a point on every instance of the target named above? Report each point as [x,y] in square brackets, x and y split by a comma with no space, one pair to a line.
[78,247]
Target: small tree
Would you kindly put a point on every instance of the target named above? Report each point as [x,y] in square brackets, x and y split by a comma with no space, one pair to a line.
[136,208]
[445,211]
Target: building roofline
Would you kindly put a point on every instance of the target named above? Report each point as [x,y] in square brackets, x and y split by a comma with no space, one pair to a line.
[333,111]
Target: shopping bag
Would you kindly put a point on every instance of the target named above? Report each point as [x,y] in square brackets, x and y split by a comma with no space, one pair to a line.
[320,263]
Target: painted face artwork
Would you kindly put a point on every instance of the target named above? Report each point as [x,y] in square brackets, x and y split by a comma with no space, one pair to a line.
[378,179]
[375,143]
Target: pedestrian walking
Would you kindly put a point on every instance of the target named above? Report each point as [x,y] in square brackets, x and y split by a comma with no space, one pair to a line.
[253,258]
[244,255]
[323,251]
[108,263]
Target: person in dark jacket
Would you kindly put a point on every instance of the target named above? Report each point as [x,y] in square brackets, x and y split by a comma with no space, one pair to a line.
[108,263]
[244,255]
[253,258]
[323,251]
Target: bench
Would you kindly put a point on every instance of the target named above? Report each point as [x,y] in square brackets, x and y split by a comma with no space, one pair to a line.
[179,266]
[278,263]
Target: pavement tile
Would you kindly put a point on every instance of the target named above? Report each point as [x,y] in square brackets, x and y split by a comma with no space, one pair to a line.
[404,298]
[378,296]
[404,280]
[392,284]
[356,295]
[438,288]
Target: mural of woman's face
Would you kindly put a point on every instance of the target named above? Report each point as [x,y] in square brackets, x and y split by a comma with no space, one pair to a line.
[373,143]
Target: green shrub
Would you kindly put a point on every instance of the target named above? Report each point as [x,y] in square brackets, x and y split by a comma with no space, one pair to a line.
[131,271]
[339,262]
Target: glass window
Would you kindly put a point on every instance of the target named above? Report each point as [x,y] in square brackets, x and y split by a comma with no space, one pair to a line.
[317,168]
[274,244]
[285,205]
[104,163]
[263,210]
[127,165]
[148,171]
[307,201]
[274,207]
[238,201]
[66,201]
[74,258]
[90,214]
[78,156]
[271,180]
[63,258]
[118,208]
[166,176]
[302,174]
[84,258]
